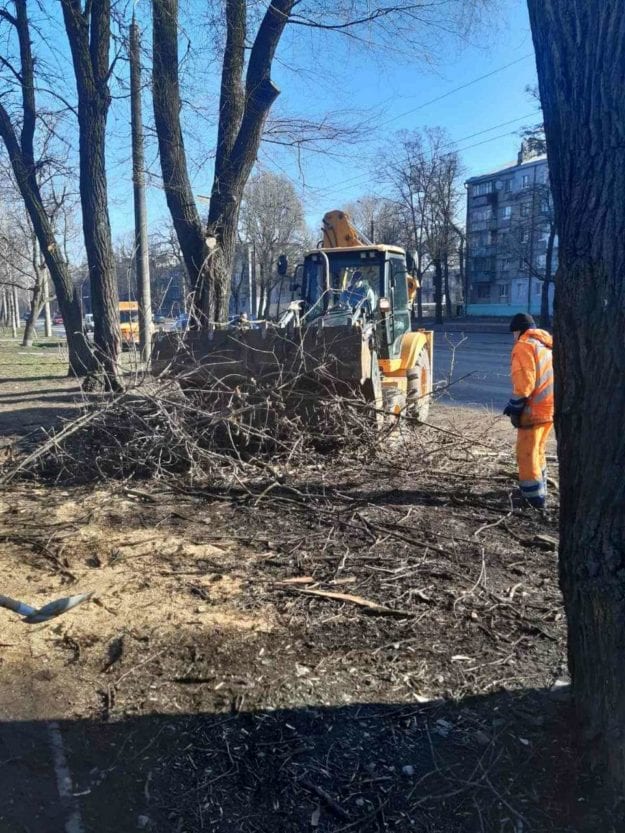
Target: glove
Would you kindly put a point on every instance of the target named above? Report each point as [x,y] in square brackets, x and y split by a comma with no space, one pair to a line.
[507,411]
[515,419]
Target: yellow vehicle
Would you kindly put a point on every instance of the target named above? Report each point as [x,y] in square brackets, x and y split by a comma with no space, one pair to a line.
[348,333]
[129,322]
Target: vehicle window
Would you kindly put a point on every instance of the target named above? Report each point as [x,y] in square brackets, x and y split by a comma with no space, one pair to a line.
[399,283]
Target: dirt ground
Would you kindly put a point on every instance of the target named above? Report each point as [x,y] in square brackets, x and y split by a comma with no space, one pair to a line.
[379,652]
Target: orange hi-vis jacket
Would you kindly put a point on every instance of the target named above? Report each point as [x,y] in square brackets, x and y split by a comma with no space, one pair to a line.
[532,378]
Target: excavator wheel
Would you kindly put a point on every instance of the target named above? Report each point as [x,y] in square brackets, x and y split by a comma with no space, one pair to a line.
[420,387]
[394,402]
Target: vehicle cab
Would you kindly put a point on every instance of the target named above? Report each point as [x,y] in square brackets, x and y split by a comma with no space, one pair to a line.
[359,285]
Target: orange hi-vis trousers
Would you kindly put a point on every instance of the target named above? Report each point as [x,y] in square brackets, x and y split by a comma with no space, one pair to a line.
[531,460]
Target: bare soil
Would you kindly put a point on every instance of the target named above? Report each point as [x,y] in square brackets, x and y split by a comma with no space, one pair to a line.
[206,687]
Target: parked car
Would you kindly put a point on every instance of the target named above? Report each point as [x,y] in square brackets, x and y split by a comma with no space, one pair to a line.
[88,323]
[57,319]
[160,319]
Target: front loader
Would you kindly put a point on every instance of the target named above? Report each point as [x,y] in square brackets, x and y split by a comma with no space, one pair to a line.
[348,334]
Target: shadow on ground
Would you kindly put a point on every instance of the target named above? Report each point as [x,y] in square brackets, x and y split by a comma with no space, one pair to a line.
[501,762]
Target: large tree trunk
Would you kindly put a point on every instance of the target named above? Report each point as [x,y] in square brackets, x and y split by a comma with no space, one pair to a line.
[89,40]
[580,47]
[167,106]
[243,110]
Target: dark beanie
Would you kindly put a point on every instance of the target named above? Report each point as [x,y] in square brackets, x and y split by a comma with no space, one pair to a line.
[521,322]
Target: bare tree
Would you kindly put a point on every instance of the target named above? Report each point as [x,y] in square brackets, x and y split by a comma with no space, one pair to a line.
[530,245]
[580,53]
[378,218]
[18,135]
[247,95]
[423,176]
[88,30]
[272,223]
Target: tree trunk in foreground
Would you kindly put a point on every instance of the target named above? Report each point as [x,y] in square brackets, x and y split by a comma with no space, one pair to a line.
[167,106]
[89,35]
[580,46]
[243,109]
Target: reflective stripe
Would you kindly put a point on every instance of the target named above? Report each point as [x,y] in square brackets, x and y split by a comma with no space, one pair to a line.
[540,397]
[543,364]
[546,376]
[517,405]
[532,488]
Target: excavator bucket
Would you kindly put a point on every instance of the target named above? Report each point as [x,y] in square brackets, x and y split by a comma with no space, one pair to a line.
[301,369]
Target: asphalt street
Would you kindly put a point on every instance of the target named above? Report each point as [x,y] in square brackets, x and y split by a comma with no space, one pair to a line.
[483,359]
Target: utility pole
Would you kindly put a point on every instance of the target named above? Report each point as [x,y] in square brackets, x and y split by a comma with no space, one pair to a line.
[142,260]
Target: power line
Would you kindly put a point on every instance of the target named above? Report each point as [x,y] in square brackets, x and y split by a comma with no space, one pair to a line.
[461,87]
[453,143]
[362,177]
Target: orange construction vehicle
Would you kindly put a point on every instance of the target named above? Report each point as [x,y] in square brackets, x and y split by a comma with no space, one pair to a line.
[349,327]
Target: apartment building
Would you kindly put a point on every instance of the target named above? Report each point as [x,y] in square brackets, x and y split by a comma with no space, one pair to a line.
[511,240]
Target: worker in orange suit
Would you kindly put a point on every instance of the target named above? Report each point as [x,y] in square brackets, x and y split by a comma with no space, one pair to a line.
[531,406]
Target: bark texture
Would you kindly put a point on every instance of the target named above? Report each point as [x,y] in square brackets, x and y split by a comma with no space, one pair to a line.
[580,47]
[167,106]
[21,153]
[89,35]
[243,109]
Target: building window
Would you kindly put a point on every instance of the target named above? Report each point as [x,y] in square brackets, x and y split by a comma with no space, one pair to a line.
[503,292]
[538,287]
[482,215]
[525,209]
[483,188]
[526,180]
[541,261]
[523,235]
[507,186]
[483,291]
[507,212]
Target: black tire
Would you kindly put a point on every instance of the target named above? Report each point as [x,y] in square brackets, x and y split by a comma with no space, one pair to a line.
[420,387]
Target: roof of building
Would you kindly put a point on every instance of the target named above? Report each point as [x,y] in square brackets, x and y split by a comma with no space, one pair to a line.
[508,168]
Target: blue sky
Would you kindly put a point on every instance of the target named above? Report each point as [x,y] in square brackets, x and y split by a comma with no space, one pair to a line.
[389,92]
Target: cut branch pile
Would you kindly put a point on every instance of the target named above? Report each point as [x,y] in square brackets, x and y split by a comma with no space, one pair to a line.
[168,430]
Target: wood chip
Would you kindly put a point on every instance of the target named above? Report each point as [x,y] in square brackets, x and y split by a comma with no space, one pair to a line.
[374,607]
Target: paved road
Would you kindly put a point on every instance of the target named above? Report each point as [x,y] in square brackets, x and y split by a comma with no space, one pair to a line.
[486,356]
